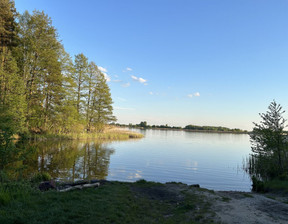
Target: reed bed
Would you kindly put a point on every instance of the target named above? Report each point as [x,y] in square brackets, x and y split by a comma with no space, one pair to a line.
[108,134]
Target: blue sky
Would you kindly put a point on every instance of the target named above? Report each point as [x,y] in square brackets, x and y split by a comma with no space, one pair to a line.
[181,62]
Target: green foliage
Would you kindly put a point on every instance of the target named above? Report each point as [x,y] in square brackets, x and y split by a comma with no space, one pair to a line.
[101,105]
[41,176]
[7,24]
[80,77]
[257,185]
[39,60]
[141,181]
[269,145]
[276,185]
[41,87]
[143,124]
[212,128]
[268,161]
[7,129]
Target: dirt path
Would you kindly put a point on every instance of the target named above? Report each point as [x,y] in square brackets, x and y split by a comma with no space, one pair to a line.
[238,207]
[220,206]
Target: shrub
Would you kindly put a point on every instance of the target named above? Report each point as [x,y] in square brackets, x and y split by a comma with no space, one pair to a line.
[39,177]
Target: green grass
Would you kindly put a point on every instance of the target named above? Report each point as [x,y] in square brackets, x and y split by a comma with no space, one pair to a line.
[271,197]
[112,202]
[276,186]
[226,199]
[14,191]
[247,195]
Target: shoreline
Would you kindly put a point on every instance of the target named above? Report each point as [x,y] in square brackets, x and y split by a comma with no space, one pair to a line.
[218,206]
[143,202]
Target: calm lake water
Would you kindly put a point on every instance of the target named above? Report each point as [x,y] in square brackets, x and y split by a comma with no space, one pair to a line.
[212,160]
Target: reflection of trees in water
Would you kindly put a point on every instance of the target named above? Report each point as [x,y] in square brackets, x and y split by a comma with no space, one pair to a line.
[93,162]
[70,160]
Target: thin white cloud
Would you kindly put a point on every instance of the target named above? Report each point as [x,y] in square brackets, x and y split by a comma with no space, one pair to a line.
[107,77]
[128,69]
[141,80]
[197,94]
[102,69]
[134,77]
[117,80]
[156,94]
[125,85]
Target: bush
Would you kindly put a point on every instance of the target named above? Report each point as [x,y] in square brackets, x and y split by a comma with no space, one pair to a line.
[39,177]
[257,185]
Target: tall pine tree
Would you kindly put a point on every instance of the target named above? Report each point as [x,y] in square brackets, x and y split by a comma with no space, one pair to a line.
[40,65]
[101,107]
[11,84]
[91,82]
[81,74]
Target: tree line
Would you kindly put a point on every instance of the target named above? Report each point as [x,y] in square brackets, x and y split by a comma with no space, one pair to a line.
[145,125]
[42,89]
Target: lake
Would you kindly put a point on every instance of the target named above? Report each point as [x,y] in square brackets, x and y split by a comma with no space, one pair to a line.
[212,160]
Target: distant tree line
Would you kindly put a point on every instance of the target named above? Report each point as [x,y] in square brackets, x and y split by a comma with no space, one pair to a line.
[42,89]
[212,128]
[144,125]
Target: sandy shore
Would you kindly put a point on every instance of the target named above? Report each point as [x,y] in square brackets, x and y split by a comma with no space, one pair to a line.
[237,207]
[233,207]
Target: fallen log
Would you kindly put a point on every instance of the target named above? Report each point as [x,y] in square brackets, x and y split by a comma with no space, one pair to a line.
[79,187]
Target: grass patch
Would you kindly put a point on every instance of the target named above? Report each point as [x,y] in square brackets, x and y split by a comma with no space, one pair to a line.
[226,199]
[207,190]
[276,186]
[271,197]
[247,195]
[14,191]
[112,202]
[273,186]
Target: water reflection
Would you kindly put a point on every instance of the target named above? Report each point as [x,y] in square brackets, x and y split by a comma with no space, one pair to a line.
[211,160]
[69,160]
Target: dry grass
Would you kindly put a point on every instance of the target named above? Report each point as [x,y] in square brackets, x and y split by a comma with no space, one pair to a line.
[110,133]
